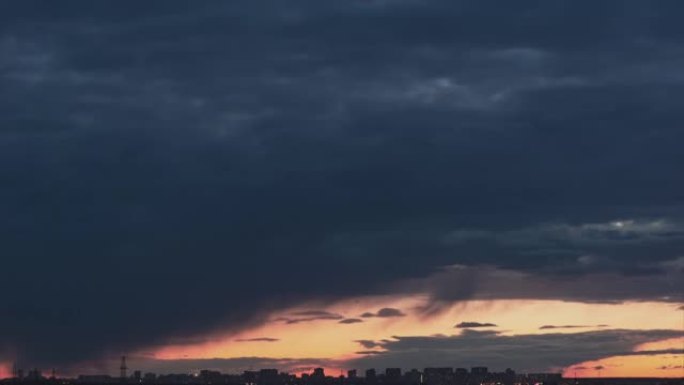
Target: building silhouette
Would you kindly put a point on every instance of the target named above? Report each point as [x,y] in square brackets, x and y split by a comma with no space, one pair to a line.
[477,375]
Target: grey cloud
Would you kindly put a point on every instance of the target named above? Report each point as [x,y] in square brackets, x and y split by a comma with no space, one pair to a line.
[369,344]
[550,327]
[386,312]
[619,230]
[258,339]
[369,352]
[309,316]
[531,352]
[350,321]
[460,282]
[314,313]
[469,325]
[584,247]
[653,352]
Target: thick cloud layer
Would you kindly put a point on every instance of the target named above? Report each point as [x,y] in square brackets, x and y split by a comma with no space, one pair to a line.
[532,352]
[173,168]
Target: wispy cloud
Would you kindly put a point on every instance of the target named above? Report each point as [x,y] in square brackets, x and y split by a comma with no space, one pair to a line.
[309,316]
[551,327]
[258,339]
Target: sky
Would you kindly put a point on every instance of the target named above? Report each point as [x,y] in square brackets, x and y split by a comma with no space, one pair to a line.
[346,184]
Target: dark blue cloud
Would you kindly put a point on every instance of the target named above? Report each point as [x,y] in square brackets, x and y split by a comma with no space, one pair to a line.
[206,164]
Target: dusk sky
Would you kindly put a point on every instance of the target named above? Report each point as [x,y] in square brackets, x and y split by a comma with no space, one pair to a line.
[347,184]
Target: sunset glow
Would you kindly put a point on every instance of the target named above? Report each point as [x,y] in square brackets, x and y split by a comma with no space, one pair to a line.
[331,340]
[5,370]
[666,365]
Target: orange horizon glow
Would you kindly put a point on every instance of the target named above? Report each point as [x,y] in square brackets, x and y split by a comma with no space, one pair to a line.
[333,343]
[664,365]
[329,340]
[672,343]
[660,365]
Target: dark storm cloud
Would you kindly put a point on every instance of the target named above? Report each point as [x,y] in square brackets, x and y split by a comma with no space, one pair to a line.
[533,352]
[470,325]
[457,283]
[171,169]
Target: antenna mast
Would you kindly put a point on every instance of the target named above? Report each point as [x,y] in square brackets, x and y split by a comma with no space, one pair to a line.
[123,368]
